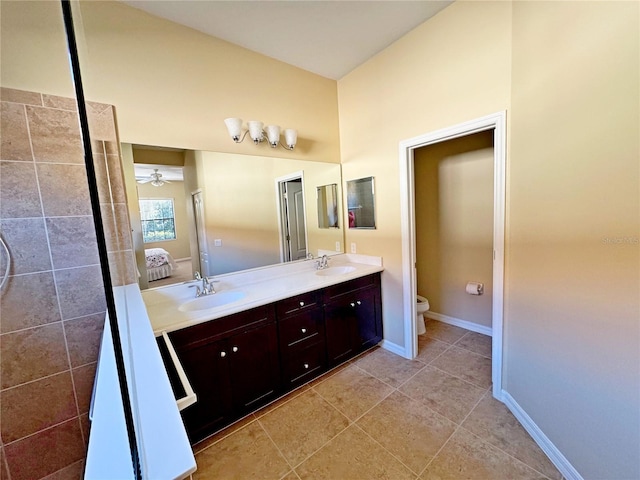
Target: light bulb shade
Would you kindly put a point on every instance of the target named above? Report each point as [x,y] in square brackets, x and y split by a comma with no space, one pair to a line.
[290,137]
[273,134]
[255,131]
[234,125]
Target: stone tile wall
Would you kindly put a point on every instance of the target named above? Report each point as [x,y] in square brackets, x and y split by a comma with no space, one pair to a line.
[52,309]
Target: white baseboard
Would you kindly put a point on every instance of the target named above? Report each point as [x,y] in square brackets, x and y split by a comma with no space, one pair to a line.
[182,259]
[394,348]
[556,457]
[474,327]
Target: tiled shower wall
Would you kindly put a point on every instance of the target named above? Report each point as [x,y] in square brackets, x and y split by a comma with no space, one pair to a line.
[52,309]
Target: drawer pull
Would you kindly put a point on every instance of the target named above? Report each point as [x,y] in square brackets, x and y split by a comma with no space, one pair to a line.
[303,330]
[223,354]
[235,349]
[302,304]
[306,366]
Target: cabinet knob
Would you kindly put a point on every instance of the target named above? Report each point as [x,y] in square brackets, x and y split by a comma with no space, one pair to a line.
[359,302]
[353,304]
[304,330]
[235,349]
[302,304]
[306,365]
[223,354]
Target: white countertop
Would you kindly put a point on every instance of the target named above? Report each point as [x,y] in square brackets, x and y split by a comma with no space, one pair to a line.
[260,286]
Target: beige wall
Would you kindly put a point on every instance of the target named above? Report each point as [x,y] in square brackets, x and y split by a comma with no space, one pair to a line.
[572,313]
[454,225]
[427,80]
[571,287]
[171,85]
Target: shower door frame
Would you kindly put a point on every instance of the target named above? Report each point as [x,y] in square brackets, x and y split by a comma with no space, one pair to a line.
[497,123]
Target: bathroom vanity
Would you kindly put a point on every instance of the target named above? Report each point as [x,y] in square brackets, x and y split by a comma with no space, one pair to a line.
[289,325]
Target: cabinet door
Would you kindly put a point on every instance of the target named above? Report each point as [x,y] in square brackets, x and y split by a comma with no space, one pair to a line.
[207,369]
[254,366]
[341,325]
[368,311]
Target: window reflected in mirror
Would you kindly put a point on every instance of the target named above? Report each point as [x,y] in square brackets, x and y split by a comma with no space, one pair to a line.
[328,206]
[361,203]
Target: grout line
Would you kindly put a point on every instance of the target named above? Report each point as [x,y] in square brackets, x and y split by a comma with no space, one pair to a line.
[43,430]
[485,441]
[53,323]
[458,427]
[274,444]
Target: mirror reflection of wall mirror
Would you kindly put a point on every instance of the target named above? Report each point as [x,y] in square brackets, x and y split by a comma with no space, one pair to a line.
[235,199]
[328,206]
[361,203]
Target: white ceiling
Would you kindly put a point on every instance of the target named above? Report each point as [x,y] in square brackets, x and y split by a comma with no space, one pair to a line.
[143,171]
[327,37]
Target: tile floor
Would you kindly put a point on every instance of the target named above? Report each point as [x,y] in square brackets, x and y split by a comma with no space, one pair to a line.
[384,417]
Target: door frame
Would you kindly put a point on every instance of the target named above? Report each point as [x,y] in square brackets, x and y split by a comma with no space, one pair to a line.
[497,123]
[199,247]
[279,207]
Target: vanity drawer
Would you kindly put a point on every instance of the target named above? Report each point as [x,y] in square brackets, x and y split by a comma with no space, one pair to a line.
[213,330]
[350,286]
[304,328]
[304,364]
[296,304]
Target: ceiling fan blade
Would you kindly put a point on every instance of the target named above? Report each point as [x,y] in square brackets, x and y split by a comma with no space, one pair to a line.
[146,180]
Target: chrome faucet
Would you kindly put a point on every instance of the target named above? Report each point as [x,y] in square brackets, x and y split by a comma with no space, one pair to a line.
[322,263]
[207,285]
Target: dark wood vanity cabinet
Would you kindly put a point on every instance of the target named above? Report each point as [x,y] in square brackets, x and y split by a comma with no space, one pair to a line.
[232,364]
[238,363]
[353,318]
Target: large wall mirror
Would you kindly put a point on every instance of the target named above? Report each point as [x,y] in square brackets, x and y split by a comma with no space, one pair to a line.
[218,213]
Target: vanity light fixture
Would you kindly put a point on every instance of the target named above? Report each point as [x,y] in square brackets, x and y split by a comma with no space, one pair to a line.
[259,133]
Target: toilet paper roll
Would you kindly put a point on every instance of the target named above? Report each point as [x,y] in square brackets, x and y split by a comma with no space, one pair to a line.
[475,288]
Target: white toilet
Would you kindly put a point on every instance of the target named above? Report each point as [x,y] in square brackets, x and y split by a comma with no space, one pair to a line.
[422,305]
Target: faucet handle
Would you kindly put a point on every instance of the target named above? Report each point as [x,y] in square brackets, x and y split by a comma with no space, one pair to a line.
[197,276]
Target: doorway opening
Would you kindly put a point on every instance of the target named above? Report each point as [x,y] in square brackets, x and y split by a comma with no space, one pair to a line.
[495,122]
[292,220]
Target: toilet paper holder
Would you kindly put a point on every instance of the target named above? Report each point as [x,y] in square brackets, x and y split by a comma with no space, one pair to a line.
[475,288]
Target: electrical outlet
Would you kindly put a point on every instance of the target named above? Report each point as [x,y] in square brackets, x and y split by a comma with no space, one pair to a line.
[217,242]
[353,247]
[337,246]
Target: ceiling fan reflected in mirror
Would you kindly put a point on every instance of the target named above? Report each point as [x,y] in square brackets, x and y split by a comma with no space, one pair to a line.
[155,178]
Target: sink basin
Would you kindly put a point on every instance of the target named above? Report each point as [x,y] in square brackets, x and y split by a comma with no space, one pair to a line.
[211,301]
[329,272]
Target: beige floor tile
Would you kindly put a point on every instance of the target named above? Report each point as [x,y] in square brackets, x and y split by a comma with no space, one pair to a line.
[389,367]
[281,401]
[303,425]
[247,453]
[430,348]
[494,423]
[448,395]
[225,432]
[444,332]
[466,456]
[353,391]
[408,429]
[467,365]
[353,455]
[292,475]
[476,343]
